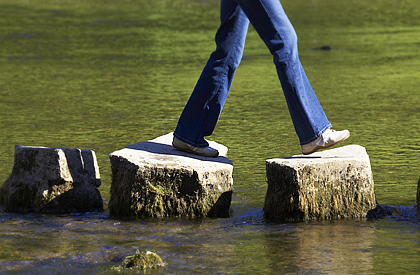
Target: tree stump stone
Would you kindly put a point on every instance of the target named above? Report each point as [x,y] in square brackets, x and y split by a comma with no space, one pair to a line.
[330,184]
[52,180]
[152,179]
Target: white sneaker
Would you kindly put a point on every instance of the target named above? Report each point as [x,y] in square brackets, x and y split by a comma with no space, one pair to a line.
[327,139]
[201,151]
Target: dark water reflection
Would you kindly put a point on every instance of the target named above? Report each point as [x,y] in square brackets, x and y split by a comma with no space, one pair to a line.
[105,74]
[94,242]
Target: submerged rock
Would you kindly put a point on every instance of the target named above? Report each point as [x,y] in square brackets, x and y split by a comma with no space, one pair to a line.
[141,261]
[52,180]
[153,179]
[381,211]
[331,184]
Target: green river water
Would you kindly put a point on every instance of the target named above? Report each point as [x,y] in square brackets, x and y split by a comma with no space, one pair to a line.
[104,74]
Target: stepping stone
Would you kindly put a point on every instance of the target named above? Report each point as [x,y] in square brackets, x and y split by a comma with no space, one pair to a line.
[330,184]
[52,180]
[152,179]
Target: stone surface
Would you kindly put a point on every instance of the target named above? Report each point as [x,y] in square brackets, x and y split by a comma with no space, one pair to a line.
[52,180]
[329,184]
[152,179]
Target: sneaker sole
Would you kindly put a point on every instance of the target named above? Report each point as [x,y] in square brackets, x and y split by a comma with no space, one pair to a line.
[188,150]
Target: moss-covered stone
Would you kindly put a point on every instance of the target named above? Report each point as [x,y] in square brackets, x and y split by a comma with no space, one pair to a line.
[151,179]
[331,184]
[141,261]
[52,180]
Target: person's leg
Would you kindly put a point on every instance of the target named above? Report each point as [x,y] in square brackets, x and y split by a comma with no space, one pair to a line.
[203,109]
[275,29]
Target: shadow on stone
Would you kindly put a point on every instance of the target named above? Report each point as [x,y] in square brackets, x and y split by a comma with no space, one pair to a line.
[167,150]
[221,208]
[152,179]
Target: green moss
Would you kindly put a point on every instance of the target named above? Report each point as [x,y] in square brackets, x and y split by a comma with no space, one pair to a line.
[159,190]
[141,261]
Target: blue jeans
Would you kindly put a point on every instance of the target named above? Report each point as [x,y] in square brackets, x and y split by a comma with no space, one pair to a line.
[203,109]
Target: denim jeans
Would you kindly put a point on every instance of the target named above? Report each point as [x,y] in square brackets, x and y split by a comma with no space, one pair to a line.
[203,109]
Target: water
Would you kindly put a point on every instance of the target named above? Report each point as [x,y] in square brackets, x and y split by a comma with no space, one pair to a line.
[101,75]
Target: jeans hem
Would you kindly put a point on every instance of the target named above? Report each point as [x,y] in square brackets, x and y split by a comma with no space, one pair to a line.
[318,135]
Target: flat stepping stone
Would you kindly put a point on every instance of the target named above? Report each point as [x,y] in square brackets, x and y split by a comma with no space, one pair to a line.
[330,184]
[152,179]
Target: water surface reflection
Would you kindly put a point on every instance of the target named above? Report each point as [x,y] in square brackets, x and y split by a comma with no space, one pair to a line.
[104,74]
[94,242]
